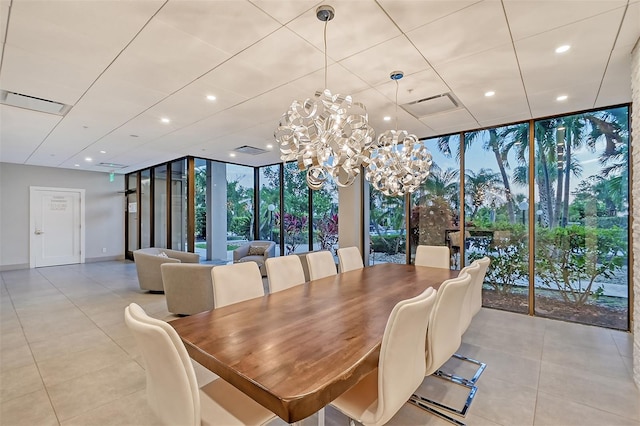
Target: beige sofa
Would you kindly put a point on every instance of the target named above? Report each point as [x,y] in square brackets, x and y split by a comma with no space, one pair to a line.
[148,261]
[188,287]
[242,253]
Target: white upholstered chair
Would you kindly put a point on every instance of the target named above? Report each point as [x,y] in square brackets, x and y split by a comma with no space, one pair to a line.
[433,256]
[475,300]
[349,258]
[321,264]
[284,272]
[444,339]
[172,389]
[235,283]
[375,399]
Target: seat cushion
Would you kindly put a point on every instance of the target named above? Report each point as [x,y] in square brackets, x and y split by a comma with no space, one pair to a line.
[258,259]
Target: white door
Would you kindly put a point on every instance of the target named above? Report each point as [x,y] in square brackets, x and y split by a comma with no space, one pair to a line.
[57,226]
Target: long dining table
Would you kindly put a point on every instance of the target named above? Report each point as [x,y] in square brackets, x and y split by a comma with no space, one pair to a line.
[296,350]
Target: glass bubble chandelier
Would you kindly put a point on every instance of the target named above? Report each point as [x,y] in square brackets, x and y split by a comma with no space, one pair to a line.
[400,162]
[328,135]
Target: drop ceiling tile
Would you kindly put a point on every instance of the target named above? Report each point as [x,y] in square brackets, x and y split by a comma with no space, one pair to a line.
[275,60]
[286,10]
[543,69]
[528,18]
[506,119]
[230,26]
[22,131]
[630,29]
[339,80]
[509,100]
[357,26]
[411,14]
[581,96]
[616,84]
[374,65]
[477,28]
[166,59]
[449,121]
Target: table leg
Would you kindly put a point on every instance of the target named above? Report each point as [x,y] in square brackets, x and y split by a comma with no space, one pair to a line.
[321,417]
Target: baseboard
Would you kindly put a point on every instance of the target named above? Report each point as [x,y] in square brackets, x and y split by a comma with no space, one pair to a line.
[103,258]
[14,267]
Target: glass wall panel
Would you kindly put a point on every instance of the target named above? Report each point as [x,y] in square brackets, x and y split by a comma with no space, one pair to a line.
[270,204]
[179,205]
[240,188]
[387,228]
[582,202]
[132,212]
[160,206]
[325,217]
[200,229]
[295,216]
[496,187]
[145,208]
[435,206]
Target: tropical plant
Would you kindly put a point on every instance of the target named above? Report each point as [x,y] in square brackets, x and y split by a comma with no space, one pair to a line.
[293,227]
[328,231]
[480,187]
[570,259]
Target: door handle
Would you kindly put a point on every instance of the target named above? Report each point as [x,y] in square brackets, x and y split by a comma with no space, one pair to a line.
[38,232]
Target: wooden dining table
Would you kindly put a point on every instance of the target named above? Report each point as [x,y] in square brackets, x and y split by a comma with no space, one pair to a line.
[297,350]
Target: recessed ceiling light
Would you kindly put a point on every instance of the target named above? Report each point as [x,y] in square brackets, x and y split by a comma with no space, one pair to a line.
[103,152]
[77,165]
[387,118]
[562,98]
[211,98]
[165,120]
[89,159]
[563,48]
[489,93]
[269,145]
[232,155]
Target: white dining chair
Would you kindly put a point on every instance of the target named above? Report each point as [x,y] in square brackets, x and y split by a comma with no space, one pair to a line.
[376,398]
[349,259]
[443,340]
[236,283]
[433,256]
[172,389]
[284,272]
[321,264]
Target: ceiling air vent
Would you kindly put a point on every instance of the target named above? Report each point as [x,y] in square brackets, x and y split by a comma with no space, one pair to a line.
[246,149]
[432,105]
[31,102]
[111,165]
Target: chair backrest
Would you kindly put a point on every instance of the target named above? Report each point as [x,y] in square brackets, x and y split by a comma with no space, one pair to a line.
[321,264]
[473,271]
[235,283]
[443,334]
[172,390]
[349,259]
[475,302]
[433,256]
[401,366]
[284,272]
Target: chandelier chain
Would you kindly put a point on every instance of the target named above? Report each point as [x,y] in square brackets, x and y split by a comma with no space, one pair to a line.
[397,86]
[325,53]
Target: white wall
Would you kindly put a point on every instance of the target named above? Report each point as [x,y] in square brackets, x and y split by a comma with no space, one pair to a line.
[104,211]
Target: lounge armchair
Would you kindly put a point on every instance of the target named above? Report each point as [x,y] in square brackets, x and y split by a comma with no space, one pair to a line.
[148,261]
[187,287]
[255,251]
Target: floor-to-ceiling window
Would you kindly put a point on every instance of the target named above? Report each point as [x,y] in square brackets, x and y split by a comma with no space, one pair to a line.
[582,216]
[325,217]
[201,206]
[269,208]
[132,214]
[145,208]
[435,205]
[496,205]
[295,215]
[240,188]
[387,228]
[160,206]
[179,205]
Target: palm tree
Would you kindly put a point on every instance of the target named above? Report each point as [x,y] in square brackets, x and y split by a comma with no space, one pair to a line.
[479,185]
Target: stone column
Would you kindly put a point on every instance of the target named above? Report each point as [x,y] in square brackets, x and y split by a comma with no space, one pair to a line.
[350,225]
[217,210]
[635,192]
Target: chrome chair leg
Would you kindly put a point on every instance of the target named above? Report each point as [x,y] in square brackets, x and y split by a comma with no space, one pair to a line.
[481,366]
[454,379]
[420,404]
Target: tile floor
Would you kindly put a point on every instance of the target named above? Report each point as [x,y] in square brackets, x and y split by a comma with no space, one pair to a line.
[68,359]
